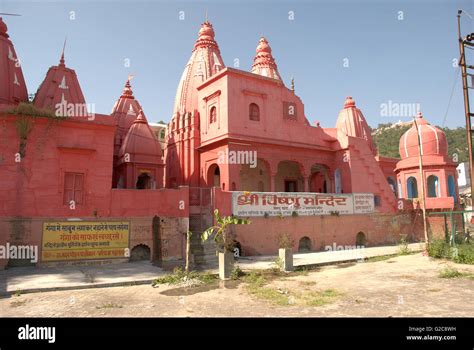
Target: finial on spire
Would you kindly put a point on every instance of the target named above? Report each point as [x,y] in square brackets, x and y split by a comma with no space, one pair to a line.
[206,21]
[61,61]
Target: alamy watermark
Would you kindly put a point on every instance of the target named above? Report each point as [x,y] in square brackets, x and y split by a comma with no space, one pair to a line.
[395,109]
[26,252]
[238,157]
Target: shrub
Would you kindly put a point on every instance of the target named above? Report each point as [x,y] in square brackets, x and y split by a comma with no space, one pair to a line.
[438,248]
[464,254]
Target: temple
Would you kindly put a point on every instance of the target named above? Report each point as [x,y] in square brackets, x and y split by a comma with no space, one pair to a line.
[238,141]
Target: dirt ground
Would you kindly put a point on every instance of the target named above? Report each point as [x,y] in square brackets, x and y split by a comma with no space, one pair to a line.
[407,285]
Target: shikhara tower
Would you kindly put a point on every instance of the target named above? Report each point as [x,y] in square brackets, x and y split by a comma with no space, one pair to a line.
[12,84]
[184,128]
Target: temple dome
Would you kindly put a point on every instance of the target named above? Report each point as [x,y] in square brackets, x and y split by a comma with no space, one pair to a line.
[205,61]
[12,84]
[433,140]
[60,86]
[140,143]
[351,122]
[126,109]
[263,62]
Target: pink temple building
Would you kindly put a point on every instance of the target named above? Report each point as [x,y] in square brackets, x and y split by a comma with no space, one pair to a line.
[231,131]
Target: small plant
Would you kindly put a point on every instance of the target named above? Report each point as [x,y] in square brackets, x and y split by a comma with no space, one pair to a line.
[450,272]
[220,231]
[294,214]
[334,213]
[236,273]
[279,263]
[403,245]
[285,241]
[439,249]
[18,292]
[266,215]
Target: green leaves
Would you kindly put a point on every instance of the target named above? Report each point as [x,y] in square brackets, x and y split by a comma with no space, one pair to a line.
[221,225]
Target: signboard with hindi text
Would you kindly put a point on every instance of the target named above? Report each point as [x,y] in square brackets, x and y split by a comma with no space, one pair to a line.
[80,240]
[287,203]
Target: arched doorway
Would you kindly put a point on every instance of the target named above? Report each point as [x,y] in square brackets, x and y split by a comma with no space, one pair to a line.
[319,180]
[361,241]
[304,245]
[432,184]
[143,181]
[288,177]
[412,188]
[214,176]
[140,252]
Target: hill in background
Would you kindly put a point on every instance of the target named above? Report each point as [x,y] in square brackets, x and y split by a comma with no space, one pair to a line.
[387,139]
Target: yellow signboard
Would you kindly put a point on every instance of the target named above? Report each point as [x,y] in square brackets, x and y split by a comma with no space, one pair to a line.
[81,240]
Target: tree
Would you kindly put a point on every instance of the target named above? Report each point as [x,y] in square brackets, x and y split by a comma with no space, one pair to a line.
[222,236]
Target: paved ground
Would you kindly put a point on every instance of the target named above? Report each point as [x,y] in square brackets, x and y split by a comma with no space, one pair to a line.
[406,285]
[30,279]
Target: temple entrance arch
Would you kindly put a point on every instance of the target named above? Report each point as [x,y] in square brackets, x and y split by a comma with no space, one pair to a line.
[214,176]
[319,179]
[289,177]
[144,181]
[256,178]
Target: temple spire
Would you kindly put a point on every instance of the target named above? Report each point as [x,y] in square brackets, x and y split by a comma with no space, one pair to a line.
[61,61]
[264,63]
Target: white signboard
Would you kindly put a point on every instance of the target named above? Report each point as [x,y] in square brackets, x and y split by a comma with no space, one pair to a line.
[301,203]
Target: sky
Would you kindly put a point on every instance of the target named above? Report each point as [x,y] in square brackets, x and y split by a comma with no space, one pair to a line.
[387,55]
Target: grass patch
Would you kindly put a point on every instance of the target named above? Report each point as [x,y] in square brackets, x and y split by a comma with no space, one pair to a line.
[379,258]
[319,298]
[307,283]
[256,285]
[461,253]
[179,276]
[109,306]
[17,303]
[452,272]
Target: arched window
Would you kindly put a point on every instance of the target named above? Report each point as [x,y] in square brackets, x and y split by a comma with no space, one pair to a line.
[361,241]
[162,134]
[304,245]
[412,188]
[432,183]
[213,115]
[452,188]
[392,184]
[254,112]
[337,180]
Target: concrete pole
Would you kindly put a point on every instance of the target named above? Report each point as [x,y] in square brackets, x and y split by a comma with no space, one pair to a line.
[422,180]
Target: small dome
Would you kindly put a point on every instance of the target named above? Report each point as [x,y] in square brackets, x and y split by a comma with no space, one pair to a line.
[351,122]
[433,140]
[141,143]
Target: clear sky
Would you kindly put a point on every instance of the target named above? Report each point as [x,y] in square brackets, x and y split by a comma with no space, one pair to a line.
[404,57]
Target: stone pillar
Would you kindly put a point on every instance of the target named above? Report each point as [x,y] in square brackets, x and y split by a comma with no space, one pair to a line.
[306,180]
[272,182]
